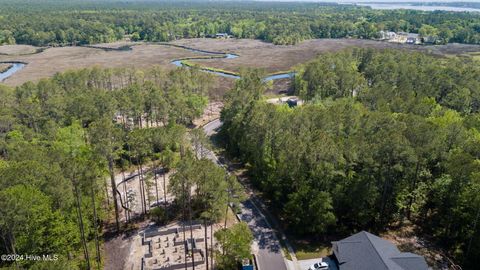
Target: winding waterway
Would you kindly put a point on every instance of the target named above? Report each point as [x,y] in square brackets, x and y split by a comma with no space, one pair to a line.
[181,63]
[16,66]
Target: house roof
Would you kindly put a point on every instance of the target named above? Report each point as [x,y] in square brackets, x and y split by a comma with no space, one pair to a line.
[365,251]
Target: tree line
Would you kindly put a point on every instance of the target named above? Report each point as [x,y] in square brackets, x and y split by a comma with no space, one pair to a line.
[385,138]
[45,22]
[63,139]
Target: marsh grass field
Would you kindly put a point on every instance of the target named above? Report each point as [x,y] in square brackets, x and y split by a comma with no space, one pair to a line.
[58,59]
[4,67]
[16,50]
[45,62]
[281,58]
[475,56]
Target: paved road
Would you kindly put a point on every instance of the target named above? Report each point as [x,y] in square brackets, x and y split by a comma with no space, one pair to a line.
[305,264]
[269,254]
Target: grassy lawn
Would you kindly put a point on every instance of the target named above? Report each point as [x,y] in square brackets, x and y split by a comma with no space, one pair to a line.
[305,251]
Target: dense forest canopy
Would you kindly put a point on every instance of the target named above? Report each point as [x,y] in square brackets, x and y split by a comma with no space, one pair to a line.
[385,138]
[53,22]
[61,137]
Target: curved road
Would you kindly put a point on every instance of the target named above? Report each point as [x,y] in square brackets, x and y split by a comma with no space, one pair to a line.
[267,246]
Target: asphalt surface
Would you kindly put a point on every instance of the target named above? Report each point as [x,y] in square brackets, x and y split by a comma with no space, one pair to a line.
[305,264]
[269,254]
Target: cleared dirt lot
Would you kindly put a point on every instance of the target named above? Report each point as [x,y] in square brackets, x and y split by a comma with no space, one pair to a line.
[253,53]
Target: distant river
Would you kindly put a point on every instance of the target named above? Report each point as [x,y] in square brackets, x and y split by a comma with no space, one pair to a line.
[179,63]
[418,7]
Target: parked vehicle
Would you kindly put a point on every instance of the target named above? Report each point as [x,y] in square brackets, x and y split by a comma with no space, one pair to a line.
[319,266]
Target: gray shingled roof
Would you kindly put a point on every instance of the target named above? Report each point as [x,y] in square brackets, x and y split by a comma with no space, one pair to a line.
[365,251]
